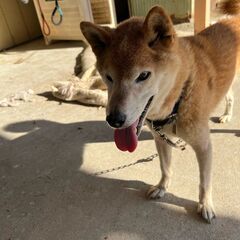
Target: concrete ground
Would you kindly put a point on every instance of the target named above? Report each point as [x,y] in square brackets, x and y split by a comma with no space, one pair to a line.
[61,176]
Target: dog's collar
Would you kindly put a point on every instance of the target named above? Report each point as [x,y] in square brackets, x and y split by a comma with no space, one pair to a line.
[159,124]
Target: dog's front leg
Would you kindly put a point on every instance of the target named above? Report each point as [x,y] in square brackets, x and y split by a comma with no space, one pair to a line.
[165,153]
[204,156]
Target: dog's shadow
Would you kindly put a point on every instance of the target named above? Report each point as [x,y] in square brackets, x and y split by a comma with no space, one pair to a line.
[45,186]
[236,132]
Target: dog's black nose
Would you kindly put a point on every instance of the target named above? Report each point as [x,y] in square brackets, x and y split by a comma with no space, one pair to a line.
[116,119]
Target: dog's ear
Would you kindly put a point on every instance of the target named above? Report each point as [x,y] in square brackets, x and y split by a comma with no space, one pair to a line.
[97,36]
[158,28]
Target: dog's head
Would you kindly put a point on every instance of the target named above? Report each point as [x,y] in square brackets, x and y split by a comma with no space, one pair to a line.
[138,62]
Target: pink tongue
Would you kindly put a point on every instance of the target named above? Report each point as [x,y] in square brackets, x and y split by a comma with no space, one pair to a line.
[126,139]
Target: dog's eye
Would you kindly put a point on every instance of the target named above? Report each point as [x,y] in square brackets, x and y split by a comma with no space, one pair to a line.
[143,76]
[109,78]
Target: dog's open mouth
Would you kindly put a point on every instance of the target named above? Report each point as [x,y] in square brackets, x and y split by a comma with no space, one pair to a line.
[126,139]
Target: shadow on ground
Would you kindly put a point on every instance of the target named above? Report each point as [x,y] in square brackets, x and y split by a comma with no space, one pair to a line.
[39,44]
[50,98]
[46,195]
[236,132]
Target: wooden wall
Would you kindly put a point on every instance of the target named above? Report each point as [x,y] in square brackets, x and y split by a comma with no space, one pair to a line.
[101,11]
[18,23]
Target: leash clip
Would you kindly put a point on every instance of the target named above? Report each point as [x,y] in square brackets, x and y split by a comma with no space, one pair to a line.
[180,144]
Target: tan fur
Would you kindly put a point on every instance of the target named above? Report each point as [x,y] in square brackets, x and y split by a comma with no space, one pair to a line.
[231,7]
[200,67]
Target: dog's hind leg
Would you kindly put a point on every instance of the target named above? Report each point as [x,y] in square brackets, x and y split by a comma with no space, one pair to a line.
[226,117]
[165,154]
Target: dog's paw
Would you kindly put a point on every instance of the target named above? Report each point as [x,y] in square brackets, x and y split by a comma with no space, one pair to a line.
[206,211]
[225,118]
[155,192]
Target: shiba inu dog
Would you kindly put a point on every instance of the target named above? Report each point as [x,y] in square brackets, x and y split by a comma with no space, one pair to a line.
[174,83]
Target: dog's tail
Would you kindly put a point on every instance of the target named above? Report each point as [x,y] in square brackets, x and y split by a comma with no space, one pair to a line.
[230,7]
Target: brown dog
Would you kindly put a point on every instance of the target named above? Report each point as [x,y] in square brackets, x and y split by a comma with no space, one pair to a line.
[152,74]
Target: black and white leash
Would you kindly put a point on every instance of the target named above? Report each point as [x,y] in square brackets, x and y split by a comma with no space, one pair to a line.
[143,160]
